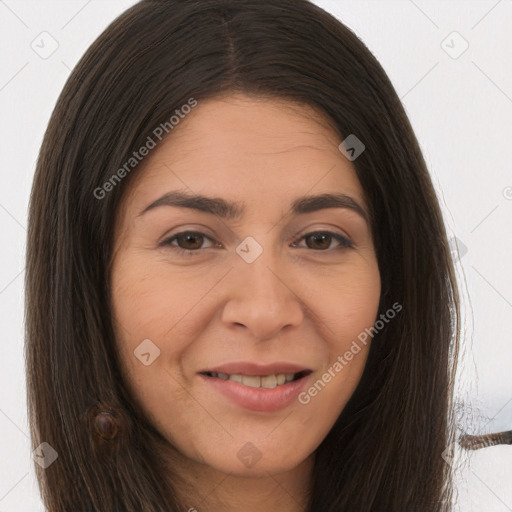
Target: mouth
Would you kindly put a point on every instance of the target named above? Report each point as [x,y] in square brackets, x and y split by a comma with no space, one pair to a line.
[257,388]
[259,381]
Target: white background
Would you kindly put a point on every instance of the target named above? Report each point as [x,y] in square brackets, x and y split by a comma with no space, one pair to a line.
[461,111]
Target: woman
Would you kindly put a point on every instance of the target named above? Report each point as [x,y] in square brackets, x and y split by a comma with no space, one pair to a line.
[239,287]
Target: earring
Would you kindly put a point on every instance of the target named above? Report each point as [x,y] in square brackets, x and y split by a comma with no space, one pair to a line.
[106,425]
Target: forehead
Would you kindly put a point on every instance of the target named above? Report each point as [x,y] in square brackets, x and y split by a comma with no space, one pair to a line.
[263,148]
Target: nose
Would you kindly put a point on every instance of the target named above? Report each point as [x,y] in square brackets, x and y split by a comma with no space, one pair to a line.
[262,299]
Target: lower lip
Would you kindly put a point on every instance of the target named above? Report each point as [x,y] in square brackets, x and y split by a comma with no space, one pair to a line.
[259,399]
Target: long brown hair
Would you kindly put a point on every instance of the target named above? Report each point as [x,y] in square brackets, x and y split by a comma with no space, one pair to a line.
[385,450]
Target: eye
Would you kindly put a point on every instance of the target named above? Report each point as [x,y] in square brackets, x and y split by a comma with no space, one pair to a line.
[321,240]
[188,242]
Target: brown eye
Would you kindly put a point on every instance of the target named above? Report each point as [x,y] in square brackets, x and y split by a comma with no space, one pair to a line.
[321,241]
[191,241]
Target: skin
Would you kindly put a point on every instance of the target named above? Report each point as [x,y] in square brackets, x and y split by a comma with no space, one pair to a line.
[304,303]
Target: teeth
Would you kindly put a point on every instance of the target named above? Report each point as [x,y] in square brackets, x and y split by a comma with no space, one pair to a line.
[252,381]
[255,381]
[268,382]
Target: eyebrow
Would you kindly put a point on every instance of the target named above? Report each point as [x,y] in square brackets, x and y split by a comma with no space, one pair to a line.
[234,210]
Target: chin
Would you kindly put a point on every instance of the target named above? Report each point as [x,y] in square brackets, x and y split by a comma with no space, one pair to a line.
[243,459]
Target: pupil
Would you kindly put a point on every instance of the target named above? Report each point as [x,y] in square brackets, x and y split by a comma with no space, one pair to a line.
[322,237]
[189,238]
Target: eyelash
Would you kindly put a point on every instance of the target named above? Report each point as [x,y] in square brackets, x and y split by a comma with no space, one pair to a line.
[345,243]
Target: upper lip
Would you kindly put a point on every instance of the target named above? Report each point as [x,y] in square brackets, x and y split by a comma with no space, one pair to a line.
[251,368]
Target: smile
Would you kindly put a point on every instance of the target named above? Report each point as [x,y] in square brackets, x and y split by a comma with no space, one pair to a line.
[259,381]
[266,393]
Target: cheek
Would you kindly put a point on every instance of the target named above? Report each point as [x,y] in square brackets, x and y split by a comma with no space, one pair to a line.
[344,302]
[346,312]
[150,300]
[345,324]
[149,303]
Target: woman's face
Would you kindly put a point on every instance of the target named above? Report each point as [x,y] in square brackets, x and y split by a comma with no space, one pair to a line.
[269,284]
